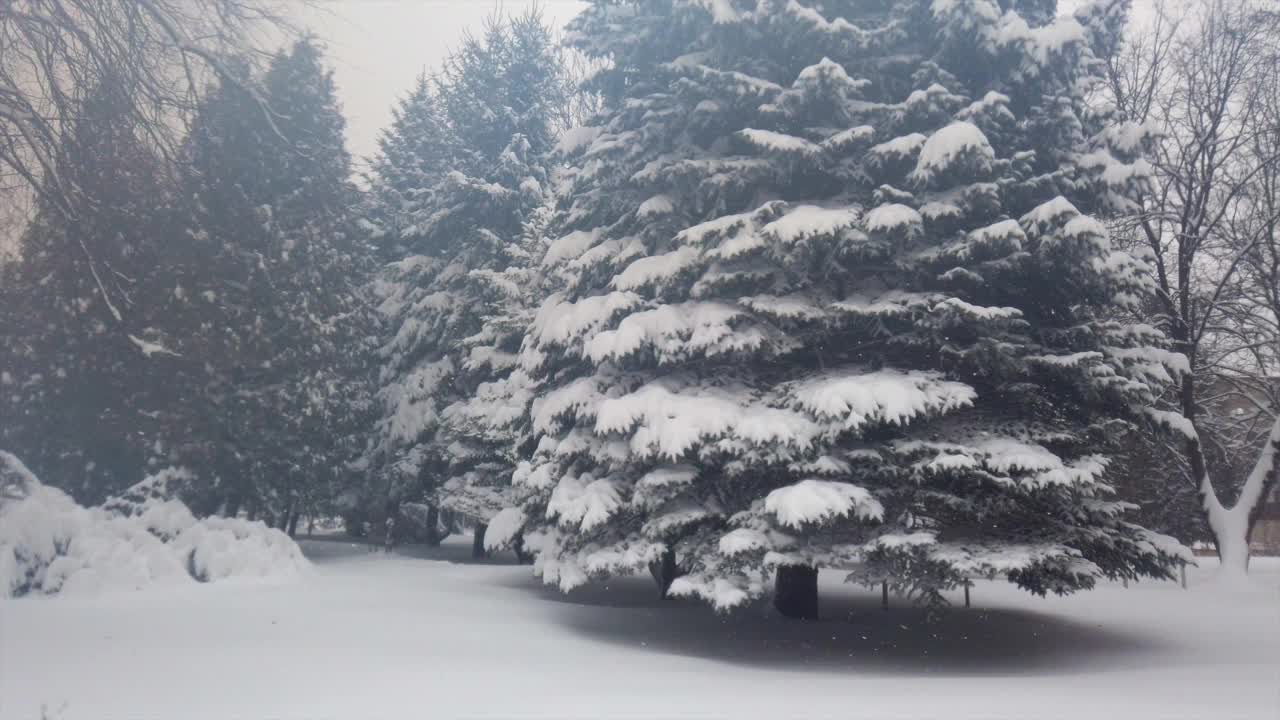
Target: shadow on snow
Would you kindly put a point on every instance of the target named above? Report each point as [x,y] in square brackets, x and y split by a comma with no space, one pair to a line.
[854,634]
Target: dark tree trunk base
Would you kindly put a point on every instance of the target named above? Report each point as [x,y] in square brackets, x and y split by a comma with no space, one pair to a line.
[434,536]
[477,542]
[795,592]
[665,571]
[517,545]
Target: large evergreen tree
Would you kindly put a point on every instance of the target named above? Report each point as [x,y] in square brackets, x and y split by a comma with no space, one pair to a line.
[461,176]
[271,275]
[834,296]
[81,361]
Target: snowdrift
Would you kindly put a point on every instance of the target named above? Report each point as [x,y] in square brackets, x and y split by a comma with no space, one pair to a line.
[50,545]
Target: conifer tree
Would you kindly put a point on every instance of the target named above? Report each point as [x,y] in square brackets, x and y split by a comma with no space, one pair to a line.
[81,358]
[461,177]
[272,274]
[834,295]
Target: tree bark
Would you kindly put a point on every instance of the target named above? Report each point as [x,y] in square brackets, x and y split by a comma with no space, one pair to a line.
[517,545]
[665,571]
[1232,526]
[434,536]
[477,542]
[293,524]
[795,592]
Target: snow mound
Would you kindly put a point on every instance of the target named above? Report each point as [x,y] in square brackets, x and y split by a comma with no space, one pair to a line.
[50,545]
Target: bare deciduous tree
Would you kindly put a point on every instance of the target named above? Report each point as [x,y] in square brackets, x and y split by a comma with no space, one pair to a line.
[1206,85]
[161,53]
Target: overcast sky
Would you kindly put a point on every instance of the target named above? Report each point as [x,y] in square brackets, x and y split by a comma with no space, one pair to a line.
[378,47]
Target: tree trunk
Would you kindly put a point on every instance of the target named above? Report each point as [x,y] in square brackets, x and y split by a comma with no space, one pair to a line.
[665,571]
[1232,526]
[517,545]
[293,524]
[477,542]
[433,526]
[795,592]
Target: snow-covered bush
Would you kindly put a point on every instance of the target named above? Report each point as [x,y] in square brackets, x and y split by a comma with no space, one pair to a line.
[50,545]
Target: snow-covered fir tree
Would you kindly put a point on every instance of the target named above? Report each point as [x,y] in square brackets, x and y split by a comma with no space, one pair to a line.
[834,295]
[460,182]
[269,283]
[79,356]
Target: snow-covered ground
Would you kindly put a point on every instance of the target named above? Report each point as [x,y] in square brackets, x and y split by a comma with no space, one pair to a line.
[368,637]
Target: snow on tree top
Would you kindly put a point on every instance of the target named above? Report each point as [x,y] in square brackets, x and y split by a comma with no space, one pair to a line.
[846,138]
[722,11]
[721,226]
[810,220]
[901,146]
[826,70]
[1114,171]
[1048,215]
[957,306]
[794,306]
[992,101]
[558,322]
[659,482]
[742,540]
[815,501]
[854,397]
[1128,137]
[779,142]
[839,27]
[951,143]
[656,205]
[674,332]
[656,269]
[935,210]
[890,302]
[669,417]
[581,397]
[1040,43]
[891,217]
[741,82]
[583,501]
[1006,455]
[574,139]
[971,10]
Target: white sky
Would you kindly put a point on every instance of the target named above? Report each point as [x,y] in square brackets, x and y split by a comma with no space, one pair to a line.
[378,47]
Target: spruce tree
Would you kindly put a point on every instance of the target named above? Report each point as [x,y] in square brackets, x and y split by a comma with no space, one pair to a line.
[461,178]
[834,295]
[273,272]
[81,357]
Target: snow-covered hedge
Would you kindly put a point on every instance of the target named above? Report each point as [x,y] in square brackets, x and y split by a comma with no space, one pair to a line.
[50,545]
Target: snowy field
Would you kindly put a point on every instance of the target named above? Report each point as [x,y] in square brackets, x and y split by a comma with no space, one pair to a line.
[369,637]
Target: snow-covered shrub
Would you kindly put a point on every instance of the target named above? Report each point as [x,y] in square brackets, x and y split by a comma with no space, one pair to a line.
[50,545]
[217,548]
